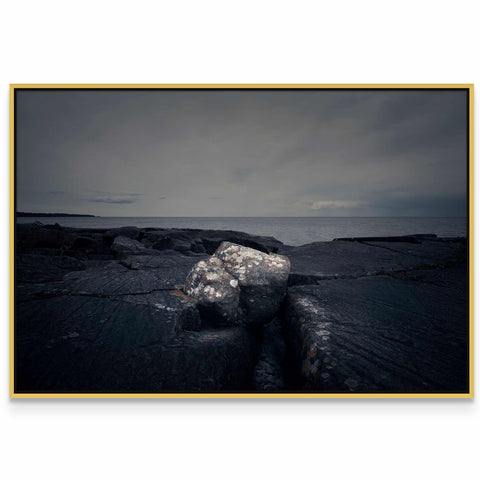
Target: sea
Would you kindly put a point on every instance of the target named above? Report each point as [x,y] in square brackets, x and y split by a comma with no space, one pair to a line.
[289,230]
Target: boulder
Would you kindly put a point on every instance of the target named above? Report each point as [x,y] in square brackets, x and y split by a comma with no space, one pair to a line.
[262,279]
[217,292]
[30,236]
[239,284]
[127,246]
[129,232]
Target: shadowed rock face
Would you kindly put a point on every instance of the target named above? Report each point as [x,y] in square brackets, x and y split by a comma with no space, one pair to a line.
[217,291]
[389,316]
[239,284]
[320,261]
[123,325]
[370,315]
[127,246]
[262,279]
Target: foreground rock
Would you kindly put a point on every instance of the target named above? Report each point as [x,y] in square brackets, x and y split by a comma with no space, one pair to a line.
[216,290]
[114,329]
[269,373]
[125,344]
[102,310]
[315,262]
[380,334]
[239,284]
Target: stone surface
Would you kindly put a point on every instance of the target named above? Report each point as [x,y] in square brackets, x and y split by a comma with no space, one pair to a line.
[31,268]
[318,261]
[366,314]
[380,334]
[129,232]
[262,279]
[269,373]
[216,290]
[239,285]
[114,329]
[201,241]
[127,246]
[126,344]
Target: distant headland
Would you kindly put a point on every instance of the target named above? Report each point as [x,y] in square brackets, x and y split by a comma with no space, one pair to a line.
[32,214]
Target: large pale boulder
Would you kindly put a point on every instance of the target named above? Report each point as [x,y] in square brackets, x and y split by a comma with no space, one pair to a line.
[262,278]
[255,282]
[216,290]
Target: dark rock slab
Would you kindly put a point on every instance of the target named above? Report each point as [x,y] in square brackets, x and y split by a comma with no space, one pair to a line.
[116,279]
[415,238]
[381,334]
[345,259]
[129,232]
[30,236]
[124,246]
[208,241]
[31,268]
[269,373]
[134,343]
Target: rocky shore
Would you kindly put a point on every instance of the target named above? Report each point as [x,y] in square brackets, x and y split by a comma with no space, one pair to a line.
[121,311]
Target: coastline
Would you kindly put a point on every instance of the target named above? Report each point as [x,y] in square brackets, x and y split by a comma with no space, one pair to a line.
[370,302]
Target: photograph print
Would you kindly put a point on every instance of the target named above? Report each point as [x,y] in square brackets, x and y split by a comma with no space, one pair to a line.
[247,241]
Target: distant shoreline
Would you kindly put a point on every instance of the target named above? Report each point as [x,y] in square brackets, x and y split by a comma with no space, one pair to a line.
[30,214]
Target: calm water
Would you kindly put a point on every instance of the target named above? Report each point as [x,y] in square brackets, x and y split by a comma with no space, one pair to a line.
[290,230]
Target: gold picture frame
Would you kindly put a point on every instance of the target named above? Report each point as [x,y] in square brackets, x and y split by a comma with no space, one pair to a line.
[468,87]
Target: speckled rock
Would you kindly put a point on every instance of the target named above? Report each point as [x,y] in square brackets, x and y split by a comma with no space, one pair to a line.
[217,292]
[127,246]
[262,279]
[380,334]
[239,285]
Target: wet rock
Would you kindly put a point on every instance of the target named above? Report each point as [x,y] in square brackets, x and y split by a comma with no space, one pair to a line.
[380,334]
[262,279]
[209,240]
[269,372]
[126,344]
[127,246]
[416,238]
[32,268]
[165,243]
[239,284]
[318,261]
[30,236]
[129,232]
[217,292]
[171,263]
[212,244]
[197,246]
[115,279]
[87,244]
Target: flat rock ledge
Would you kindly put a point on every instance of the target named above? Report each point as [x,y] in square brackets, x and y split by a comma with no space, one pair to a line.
[239,285]
[102,310]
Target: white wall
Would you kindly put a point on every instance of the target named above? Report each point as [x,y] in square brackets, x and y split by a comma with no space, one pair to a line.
[226,42]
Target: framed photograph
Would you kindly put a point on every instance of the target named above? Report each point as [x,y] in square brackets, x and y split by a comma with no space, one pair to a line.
[265,241]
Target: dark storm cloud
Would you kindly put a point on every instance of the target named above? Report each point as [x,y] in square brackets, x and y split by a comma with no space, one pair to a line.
[259,152]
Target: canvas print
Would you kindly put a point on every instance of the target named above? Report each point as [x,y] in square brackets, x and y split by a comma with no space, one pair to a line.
[263,241]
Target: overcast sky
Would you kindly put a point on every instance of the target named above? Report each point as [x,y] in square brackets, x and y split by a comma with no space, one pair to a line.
[242,153]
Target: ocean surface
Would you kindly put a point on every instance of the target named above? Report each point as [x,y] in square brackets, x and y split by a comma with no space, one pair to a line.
[289,230]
